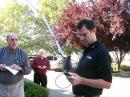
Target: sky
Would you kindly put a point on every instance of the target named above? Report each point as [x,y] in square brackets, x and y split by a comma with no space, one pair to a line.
[33,4]
[3,3]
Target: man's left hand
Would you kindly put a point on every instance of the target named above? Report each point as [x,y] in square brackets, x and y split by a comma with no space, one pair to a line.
[44,67]
[74,79]
[15,66]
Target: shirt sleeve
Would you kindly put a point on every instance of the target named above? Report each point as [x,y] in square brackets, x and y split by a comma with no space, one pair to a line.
[48,64]
[26,67]
[0,54]
[103,64]
[34,62]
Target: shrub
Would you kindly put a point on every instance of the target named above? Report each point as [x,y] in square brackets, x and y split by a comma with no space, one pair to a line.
[34,90]
[115,68]
[125,68]
[57,69]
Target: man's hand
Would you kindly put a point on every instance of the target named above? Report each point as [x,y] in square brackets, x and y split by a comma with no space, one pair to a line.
[39,67]
[17,67]
[2,66]
[74,79]
[42,67]
[96,83]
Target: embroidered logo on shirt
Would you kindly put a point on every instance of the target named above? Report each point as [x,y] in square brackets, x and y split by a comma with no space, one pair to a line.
[93,46]
[89,57]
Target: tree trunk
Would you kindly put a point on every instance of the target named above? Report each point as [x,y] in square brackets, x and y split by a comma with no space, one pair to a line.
[119,56]
[119,64]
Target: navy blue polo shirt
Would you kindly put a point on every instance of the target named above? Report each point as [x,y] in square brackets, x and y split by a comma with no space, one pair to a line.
[95,63]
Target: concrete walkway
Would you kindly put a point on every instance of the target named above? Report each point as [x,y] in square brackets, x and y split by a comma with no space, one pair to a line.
[120,86]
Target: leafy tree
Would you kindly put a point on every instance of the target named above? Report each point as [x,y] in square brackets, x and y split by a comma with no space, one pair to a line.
[16,18]
[111,17]
[31,28]
[51,10]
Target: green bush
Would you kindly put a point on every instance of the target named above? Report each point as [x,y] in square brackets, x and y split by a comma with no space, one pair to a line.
[57,69]
[34,90]
[125,68]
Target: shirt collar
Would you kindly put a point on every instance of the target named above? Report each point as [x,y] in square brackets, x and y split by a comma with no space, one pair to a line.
[41,58]
[11,51]
[91,46]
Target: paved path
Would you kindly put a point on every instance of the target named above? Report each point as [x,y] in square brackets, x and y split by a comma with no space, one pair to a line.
[120,86]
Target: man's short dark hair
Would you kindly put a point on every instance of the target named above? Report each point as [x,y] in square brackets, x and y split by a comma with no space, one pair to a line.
[88,23]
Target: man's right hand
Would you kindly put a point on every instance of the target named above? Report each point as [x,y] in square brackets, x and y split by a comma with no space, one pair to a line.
[2,66]
[42,67]
[39,67]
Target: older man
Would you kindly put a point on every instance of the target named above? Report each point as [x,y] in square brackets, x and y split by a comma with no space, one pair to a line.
[15,58]
[41,65]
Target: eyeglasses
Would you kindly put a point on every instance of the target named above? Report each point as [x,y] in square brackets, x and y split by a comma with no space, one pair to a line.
[14,39]
[81,34]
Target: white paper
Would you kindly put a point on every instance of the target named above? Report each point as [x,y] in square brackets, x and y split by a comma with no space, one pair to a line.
[13,71]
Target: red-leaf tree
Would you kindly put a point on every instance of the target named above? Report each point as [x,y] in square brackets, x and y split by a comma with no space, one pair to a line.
[112,19]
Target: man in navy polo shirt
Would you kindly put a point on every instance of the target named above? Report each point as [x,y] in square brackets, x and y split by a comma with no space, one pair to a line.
[93,72]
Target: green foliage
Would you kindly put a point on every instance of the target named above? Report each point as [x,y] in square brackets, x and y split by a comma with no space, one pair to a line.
[16,18]
[57,69]
[34,90]
[122,68]
[43,39]
[52,9]
[125,68]
[31,29]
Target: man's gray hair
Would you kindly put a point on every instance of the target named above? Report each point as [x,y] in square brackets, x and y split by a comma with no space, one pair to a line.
[10,34]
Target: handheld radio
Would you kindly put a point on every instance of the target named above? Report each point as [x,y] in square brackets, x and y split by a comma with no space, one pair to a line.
[67,65]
